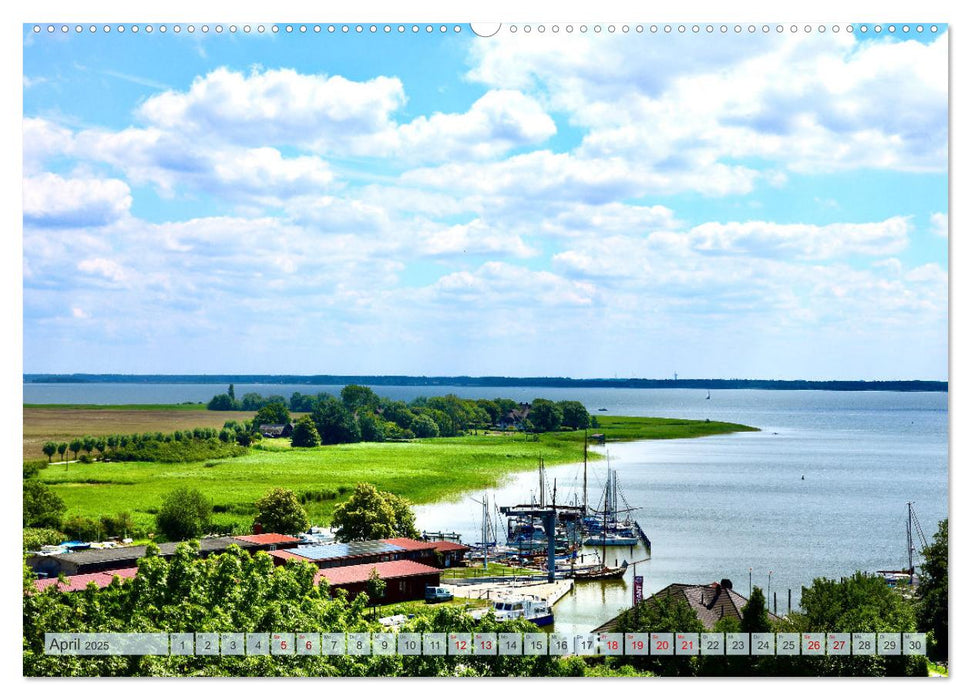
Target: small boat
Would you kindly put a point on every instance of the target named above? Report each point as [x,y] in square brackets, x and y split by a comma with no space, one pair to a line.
[600,573]
[613,538]
[601,409]
[708,398]
[527,608]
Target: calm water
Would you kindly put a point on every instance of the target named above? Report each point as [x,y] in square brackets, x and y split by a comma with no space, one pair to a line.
[713,507]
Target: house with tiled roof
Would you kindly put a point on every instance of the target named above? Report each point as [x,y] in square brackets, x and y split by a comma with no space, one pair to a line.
[710,602]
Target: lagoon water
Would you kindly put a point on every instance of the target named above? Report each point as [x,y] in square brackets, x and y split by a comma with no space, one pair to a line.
[713,507]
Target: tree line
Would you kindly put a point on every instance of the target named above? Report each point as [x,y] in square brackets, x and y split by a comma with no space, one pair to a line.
[361,415]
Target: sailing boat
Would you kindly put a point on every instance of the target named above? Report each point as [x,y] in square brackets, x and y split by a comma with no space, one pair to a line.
[906,576]
[708,398]
[611,531]
[602,572]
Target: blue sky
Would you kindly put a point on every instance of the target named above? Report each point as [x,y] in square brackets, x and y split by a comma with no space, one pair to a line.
[584,205]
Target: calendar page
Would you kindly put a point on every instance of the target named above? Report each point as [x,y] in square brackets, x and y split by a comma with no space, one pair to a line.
[605,347]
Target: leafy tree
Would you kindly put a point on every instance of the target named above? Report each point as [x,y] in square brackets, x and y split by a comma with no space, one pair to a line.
[41,506]
[662,614]
[424,427]
[272,414]
[932,590]
[506,406]
[859,603]
[37,537]
[356,398]
[252,401]
[398,413]
[280,511]
[371,429]
[61,449]
[88,442]
[375,588]
[755,615]
[305,433]
[101,444]
[222,402]
[185,513]
[335,424]
[491,408]
[545,415]
[370,514]
[49,449]
[231,392]
[575,415]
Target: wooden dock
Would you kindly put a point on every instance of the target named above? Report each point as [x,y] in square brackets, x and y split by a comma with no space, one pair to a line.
[550,592]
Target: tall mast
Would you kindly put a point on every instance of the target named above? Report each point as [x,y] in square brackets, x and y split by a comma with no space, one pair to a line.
[910,540]
[584,472]
[542,485]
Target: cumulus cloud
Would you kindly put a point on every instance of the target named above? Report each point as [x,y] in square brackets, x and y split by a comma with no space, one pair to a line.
[813,103]
[566,177]
[108,269]
[498,121]
[772,240]
[275,107]
[498,284]
[473,238]
[939,224]
[55,201]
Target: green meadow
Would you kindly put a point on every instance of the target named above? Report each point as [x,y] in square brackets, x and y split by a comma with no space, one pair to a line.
[423,471]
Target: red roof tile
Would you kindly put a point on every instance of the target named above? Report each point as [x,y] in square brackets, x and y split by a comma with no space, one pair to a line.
[283,554]
[446,546]
[79,582]
[409,544]
[268,538]
[357,573]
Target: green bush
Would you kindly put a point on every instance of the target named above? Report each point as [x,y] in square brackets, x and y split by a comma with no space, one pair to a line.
[185,513]
[37,537]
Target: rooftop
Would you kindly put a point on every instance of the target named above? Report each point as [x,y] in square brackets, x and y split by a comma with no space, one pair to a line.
[268,538]
[710,602]
[346,550]
[80,581]
[408,544]
[446,546]
[284,554]
[357,573]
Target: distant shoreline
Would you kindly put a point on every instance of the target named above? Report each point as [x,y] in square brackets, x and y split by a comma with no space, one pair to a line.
[401,380]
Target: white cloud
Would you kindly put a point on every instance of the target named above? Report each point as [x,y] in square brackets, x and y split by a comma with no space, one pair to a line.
[43,139]
[811,103]
[498,121]
[565,177]
[276,107]
[334,115]
[939,224]
[498,284]
[51,200]
[473,238]
[109,269]
[807,241]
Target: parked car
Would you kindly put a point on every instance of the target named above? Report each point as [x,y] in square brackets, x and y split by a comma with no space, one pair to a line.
[437,594]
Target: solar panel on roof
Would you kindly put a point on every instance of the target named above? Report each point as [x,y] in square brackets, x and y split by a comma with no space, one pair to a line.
[340,550]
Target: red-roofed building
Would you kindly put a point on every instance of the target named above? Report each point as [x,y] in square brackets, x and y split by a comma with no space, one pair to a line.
[79,582]
[416,550]
[269,541]
[450,553]
[280,556]
[404,579]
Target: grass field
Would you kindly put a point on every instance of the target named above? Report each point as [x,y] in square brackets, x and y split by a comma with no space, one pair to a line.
[424,471]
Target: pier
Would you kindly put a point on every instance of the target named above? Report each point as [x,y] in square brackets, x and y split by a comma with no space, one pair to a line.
[498,590]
